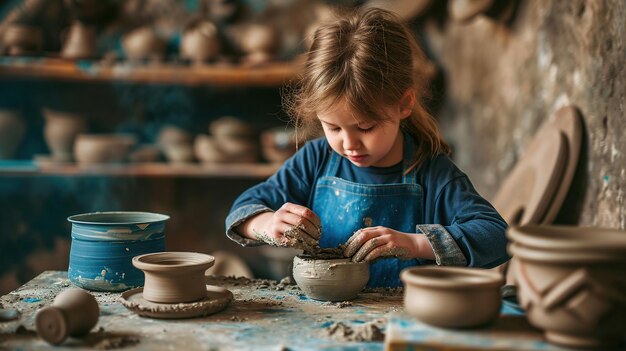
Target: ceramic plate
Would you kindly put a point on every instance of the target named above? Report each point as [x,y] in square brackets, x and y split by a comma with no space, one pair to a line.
[217,299]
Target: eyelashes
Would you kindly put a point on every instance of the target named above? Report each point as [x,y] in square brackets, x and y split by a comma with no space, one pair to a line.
[362,130]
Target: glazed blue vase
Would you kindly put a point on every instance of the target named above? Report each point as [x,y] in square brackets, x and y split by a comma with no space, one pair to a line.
[104,244]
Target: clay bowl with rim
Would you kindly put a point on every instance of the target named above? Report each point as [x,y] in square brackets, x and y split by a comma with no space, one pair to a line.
[452,297]
[174,277]
[330,279]
[571,283]
[103,148]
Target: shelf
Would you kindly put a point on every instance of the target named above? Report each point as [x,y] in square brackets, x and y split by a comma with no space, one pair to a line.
[218,170]
[269,75]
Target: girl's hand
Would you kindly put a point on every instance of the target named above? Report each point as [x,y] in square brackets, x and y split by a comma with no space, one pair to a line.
[368,244]
[291,225]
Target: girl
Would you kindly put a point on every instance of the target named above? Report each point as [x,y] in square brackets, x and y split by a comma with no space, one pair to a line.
[380,181]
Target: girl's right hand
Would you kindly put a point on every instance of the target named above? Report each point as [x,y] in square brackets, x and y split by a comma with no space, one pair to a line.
[291,225]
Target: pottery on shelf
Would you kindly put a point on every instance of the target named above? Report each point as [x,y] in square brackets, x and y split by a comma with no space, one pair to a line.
[571,282]
[229,126]
[174,277]
[22,40]
[103,148]
[60,132]
[278,144]
[330,279]
[176,144]
[259,42]
[12,129]
[200,42]
[72,313]
[143,43]
[145,154]
[207,151]
[80,42]
[452,297]
[104,244]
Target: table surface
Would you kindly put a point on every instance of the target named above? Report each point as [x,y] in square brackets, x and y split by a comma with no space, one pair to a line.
[263,316]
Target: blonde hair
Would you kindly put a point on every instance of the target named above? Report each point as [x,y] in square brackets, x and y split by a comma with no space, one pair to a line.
[368,59]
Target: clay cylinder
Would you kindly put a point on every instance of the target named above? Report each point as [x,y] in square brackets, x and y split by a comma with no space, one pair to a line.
[73,313]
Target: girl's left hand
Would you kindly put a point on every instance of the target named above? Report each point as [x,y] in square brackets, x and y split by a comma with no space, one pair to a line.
[368,244]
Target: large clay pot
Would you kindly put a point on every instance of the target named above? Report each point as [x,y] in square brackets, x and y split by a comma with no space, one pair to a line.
[73,313]
[174,277]
[571,283]
[200,42]
[12,130]
[60,133]
[452,297]
[80,42]
[103,148]
[104,244]
[330,280]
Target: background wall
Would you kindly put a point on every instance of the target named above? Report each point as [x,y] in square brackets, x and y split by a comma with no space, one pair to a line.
[502,81]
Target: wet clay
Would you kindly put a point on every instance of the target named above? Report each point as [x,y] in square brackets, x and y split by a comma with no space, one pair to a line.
[370,331]
[330,279]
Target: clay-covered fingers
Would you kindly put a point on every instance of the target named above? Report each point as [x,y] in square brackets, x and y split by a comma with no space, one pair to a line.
[303,218]
[360,237]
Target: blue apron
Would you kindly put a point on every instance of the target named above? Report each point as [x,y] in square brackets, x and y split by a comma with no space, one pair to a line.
[345,207]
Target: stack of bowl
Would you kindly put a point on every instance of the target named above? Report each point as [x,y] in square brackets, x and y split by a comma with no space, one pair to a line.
[571,282]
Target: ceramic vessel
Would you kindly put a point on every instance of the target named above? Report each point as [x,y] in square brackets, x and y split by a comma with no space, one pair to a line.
[12,129]
[72,313]
[278,144]
[330,280]
[22,40]
[174,277]
[60,131]
[103,148]
[207,151]
[104,243]
[231,127]
[200,42]
[80,42]
[452,297]
[143,43]
[571,283]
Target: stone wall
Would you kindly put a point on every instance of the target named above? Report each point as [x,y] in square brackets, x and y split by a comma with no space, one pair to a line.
[503,80]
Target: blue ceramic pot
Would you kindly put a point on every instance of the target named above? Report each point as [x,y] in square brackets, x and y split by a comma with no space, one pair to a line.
[104,244]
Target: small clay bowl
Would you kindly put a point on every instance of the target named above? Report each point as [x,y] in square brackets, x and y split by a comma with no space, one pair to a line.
[330,280]
[452,297]
[103,148]
[174,277]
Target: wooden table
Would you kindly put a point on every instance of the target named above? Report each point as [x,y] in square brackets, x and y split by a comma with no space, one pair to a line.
[260,318]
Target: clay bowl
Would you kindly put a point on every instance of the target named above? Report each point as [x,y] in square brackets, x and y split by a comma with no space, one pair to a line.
[452,297]
[104,244]
[200,42]
[174,277]
[103,148]
[571,283]
[330,280]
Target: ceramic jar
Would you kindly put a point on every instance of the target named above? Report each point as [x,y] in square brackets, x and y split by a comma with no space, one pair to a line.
[571,282]
[60,131]
[452,297]
[104,243]
[72,313]
[174,277]
[330,280]
[103,148]
[12,130]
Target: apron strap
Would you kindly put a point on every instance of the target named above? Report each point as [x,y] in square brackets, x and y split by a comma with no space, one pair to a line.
[332,168]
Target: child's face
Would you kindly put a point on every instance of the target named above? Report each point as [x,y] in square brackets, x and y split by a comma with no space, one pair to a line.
[365,143]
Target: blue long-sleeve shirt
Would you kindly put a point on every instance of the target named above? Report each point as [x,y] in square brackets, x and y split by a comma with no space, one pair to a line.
[462,227]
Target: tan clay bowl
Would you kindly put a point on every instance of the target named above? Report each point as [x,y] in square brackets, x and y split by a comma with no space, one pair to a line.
[452,297]
[577,297]
[330,280]
[174,277]
[102,148]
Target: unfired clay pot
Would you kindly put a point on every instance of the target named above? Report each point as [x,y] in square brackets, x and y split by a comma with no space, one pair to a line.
[174,277]
[571,283]
[452,297]
[200,42]
[330,280]
[12,130]
[60,132]
[80,42]
[73,313]
[103,148]
[143,43]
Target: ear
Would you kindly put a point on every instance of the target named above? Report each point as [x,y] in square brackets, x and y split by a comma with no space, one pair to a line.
[406,103]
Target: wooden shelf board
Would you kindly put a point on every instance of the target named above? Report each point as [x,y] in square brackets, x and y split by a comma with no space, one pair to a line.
[269,75]
[218,170]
